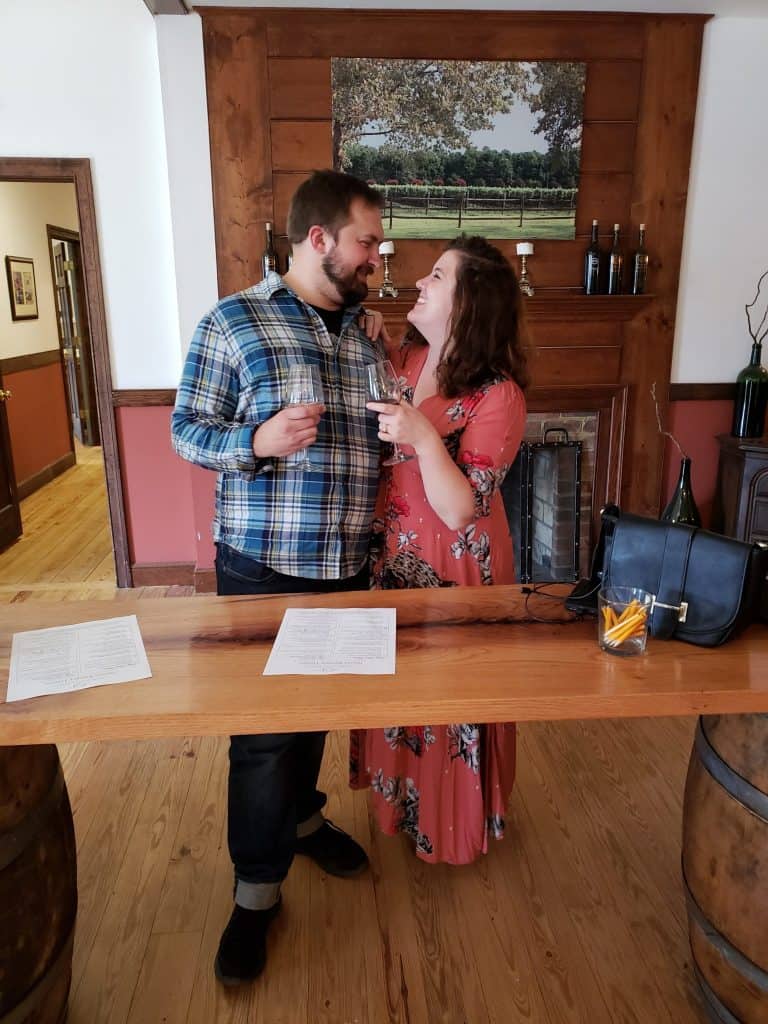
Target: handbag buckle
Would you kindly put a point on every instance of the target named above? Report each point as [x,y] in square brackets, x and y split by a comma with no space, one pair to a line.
[681,609]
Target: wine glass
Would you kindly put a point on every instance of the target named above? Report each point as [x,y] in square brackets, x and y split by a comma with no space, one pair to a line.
[384,386]
[302,387]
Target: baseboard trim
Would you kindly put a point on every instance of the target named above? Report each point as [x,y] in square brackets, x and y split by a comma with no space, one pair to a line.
[44,476]
[205,581]
[163,574]
[174,574]
[702,392]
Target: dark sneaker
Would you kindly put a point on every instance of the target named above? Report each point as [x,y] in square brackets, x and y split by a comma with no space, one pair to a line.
[242,953]
[334,851]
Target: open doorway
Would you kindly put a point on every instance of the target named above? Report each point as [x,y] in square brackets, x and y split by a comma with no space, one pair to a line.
[74,336]
[60,367]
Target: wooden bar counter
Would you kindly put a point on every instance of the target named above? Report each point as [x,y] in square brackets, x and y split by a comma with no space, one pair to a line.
[463,654]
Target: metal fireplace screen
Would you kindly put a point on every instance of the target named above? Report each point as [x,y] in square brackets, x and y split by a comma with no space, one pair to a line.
[542,498]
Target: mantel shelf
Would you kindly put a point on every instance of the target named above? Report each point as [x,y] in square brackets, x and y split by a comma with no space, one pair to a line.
[555,304]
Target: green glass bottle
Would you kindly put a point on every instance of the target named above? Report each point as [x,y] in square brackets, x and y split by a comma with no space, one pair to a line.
[751,397]
[682,505]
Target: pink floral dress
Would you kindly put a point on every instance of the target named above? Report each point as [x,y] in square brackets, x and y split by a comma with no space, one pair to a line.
[446,786]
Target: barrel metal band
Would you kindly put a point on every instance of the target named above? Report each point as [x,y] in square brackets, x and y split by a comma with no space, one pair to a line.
[14,842]
[717,1012]
[21,1011]
[736,785]
[742,964]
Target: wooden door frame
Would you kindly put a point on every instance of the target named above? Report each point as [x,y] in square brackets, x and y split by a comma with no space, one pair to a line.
[78,172]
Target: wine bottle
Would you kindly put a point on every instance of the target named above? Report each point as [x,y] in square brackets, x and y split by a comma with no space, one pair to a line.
[592,264]
[269,256]
[682,506]
[751,397]
[615,265]
[640,265]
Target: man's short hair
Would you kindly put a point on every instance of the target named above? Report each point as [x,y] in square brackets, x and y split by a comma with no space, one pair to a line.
[325,199]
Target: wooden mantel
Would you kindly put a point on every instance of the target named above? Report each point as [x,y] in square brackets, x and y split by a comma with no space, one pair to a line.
[463,654]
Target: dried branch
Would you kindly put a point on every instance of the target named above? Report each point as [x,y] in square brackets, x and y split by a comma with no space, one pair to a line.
[666,433]
[755,334]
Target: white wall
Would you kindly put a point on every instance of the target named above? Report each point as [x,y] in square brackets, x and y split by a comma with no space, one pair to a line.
[726,232]
[182,73]
[25,209]
[103,103]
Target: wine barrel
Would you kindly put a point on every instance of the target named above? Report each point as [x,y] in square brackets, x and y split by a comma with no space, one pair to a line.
[38,887]
[725,865]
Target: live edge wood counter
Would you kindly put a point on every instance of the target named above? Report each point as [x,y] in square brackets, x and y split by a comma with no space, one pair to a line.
[463,654]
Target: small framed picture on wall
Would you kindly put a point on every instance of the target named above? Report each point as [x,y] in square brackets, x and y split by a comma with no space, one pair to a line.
[22,288]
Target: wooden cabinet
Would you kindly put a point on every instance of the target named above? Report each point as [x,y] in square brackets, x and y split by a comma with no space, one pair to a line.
[741,501]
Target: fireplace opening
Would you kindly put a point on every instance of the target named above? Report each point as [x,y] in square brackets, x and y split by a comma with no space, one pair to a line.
[548,498]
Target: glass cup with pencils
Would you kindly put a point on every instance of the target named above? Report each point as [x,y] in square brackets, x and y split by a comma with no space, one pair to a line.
[622,621]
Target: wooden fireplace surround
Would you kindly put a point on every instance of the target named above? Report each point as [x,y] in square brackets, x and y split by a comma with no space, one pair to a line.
[269,110]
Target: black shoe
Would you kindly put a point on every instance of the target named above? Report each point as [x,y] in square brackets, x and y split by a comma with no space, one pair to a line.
[333,850]
[242,953]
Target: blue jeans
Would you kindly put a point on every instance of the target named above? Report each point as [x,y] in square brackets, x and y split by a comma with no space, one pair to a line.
[272,777]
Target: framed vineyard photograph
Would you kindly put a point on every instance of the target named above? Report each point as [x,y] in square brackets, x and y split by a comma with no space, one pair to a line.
[21,287]
[487,147]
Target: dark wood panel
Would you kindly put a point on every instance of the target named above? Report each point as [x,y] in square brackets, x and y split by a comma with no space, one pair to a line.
[608,147]
[457,35]
[551,367]
[664,138]
[555,264]
[33,361]
[613,90]
[301,145]
[284,184]
[300,88]
[241,165]
[578,333]
[606,198]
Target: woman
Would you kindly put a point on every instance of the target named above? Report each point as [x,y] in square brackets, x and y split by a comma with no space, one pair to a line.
[441,523]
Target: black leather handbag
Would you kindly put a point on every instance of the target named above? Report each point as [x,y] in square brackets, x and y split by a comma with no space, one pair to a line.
[707,586]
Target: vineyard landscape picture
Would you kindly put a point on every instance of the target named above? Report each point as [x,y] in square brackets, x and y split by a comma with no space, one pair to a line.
[487,147]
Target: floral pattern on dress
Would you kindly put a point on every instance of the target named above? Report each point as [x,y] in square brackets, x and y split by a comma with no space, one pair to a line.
[478,545]
[415,738]
[404,799]
[485,480]
[464,743]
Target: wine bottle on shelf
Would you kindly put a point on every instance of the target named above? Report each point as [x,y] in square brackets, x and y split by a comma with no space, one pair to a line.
[682,505]
[640,265]
[592,264]
[615,265]
[751,397]
[269,256]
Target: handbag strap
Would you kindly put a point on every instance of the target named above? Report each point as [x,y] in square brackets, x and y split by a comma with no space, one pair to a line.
[669,609]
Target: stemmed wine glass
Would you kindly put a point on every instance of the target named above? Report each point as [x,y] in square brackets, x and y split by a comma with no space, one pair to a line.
[302,387]
[384,386]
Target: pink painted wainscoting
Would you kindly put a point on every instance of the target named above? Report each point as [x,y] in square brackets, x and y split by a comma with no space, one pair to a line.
[38,423]
[696,425]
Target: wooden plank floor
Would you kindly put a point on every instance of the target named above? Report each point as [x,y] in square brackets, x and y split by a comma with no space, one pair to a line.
[577,916]
[66,537]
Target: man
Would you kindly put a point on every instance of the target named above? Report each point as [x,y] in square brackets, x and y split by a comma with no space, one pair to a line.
[280,529]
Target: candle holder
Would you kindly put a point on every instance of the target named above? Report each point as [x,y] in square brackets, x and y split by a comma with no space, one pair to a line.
[524,250]
[387,289]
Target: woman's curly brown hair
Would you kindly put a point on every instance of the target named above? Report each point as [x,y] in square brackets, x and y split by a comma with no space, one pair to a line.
[486,329]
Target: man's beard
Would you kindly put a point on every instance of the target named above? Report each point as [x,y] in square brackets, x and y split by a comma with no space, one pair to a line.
[349,286]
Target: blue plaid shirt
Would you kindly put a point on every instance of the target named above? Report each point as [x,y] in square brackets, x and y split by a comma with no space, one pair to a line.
[314,524]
